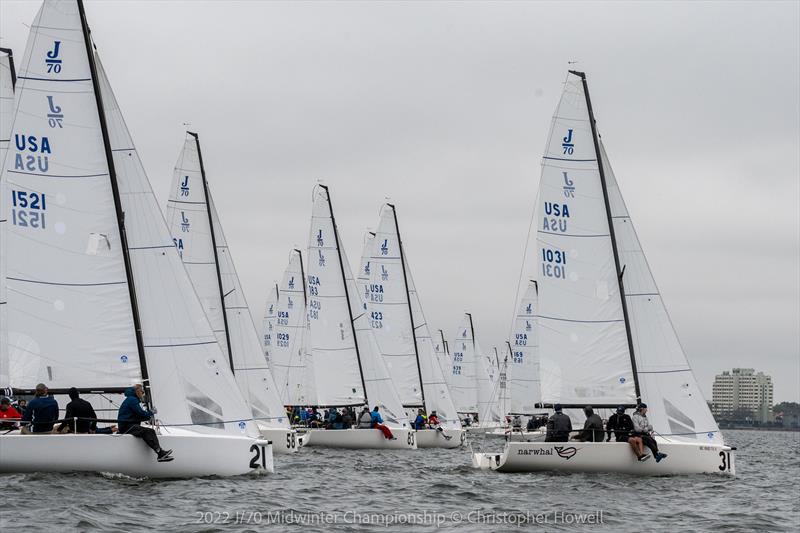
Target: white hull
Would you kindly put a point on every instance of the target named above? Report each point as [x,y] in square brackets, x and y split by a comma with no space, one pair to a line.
[517,435]
[196,454]
[362,439]
[683,458]
[432,438]
[284,440]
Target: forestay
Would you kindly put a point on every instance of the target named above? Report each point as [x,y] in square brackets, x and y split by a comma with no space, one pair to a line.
[523,365]
[290,323]
[463,383]
[678,408]
[583,349]
[196,229]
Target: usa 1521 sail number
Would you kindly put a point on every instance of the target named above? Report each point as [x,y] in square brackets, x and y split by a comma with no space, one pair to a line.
[28,209]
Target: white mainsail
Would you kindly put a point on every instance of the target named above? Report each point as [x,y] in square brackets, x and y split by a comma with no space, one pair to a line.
[487,382]
[383,281]
[268,325]
[290,322]
[665,377]
[398,322]
[334,364]
[200,239]
[523,365]
[71,174]
[463,381]
[440,347]
[7,80]
[583,348]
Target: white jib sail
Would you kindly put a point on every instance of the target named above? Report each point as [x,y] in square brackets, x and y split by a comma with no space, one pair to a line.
[290,323]
[523,365]
[583,349]
[487,378]
[437,392]
[6,116]
[386,295]
[196,230]
[463,383]
[333,357]
[677,406]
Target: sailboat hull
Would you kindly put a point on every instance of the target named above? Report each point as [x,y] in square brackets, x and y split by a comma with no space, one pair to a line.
[535,435]
[357,439]
[683,458]
[432,438]
[284,440]
[196,454]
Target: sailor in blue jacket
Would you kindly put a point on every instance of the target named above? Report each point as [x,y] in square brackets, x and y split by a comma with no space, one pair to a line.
[131,414]
[42,411]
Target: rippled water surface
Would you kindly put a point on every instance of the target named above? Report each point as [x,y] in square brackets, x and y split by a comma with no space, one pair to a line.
[437,484]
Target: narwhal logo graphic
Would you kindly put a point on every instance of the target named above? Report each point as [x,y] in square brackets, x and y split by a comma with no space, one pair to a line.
[566,453]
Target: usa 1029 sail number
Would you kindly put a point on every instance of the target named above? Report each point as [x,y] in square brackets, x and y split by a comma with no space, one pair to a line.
[28,209]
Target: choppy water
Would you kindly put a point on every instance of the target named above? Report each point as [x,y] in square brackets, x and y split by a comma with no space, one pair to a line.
[431,485]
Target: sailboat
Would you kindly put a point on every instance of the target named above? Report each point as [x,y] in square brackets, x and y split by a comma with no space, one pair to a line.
[98,298]
[605,338]
[288,333]
[197,233]
[344,364]
[463,381]
[402,333]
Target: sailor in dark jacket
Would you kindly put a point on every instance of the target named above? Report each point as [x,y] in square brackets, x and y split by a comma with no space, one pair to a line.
[621,424]
[42,411]
[131,414]
[559,426]
[80,416]
[592,428]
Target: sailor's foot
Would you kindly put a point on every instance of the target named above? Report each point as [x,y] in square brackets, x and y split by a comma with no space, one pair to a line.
[164,456]
[643,458]
[660,456]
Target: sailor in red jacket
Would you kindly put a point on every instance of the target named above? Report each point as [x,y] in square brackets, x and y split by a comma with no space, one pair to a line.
[7,411]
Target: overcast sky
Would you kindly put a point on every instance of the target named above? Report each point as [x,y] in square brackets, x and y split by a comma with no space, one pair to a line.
[445,108]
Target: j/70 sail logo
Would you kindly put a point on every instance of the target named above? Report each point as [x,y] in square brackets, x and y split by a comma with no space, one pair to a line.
[185,186]
[54,116]
[567,143]
[53,61]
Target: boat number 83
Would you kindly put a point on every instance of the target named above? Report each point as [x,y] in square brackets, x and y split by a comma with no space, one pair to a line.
[259,460]
[410,438]
[726,461]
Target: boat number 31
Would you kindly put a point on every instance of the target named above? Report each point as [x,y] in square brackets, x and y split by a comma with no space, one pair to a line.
[259,460]
[726,461]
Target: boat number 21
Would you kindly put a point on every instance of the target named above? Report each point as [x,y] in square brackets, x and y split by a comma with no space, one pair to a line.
[726,461]
[259,460]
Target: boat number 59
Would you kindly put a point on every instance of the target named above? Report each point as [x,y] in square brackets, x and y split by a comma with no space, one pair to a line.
[259,460]
[726,461]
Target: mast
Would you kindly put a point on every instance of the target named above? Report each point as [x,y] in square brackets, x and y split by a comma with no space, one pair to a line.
[214,246]
[10,54]
[302,277]
[408,301]
[112,175]
[474,356]
[620,272]
[346,292]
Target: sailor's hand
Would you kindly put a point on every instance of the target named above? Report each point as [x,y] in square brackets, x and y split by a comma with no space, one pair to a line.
[154,411]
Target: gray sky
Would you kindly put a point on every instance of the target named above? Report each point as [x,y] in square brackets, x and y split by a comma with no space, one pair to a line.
[445,108]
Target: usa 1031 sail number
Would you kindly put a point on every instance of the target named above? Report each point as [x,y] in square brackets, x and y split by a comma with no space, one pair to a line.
[28,209]
[554,263]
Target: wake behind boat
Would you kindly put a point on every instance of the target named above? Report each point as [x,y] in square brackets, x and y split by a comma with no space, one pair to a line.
[98,298]
[604,335]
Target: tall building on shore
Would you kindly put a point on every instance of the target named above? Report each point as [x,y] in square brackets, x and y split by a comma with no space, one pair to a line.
[740,390]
